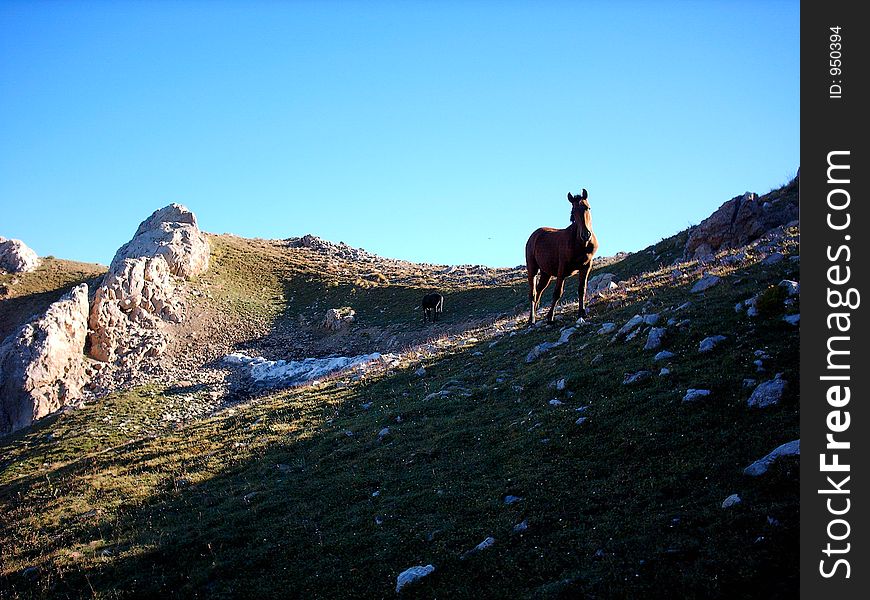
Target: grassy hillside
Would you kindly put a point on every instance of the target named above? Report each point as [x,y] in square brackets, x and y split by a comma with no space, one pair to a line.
[298,495]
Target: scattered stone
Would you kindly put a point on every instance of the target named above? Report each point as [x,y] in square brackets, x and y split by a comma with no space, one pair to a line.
[792,319]
[420,372]
[693,395]
[654,340]
[663,355]
[632,324]
[555,402]
[596,359]
[509,499]
[384,432]
[664,371]
[633,334]
[412,575]
[768,393]
[731,500]
[600,283]
[773,259]
[711,342]
[792,288]
[748,383]
[487,543]
[339,318]
[651,319]
[366,405]
[248,497]
[705,283]
[683,306]
[521,526]
[560,385]
[581,420]
[636,377]
[761,466]
[607,328]
[540,349]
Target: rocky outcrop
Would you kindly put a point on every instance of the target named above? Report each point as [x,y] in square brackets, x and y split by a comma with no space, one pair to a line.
[742,220]
[17,257]
[139,293]
[42,365]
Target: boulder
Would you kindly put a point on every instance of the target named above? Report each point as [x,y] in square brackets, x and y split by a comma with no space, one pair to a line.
[411,575]
[601,282]
[17,257]
[42,366]
[339,318]
[139,294]
[654,339]
[693,395]
[768,393]
[741,220]
[171,233]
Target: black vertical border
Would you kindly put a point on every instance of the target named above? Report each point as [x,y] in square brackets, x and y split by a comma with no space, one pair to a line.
[833,124]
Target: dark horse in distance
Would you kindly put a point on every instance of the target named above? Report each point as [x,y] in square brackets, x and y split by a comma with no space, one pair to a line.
[560,253]
[433,305]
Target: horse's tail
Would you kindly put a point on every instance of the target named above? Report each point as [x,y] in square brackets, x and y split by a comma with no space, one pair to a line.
[531,261]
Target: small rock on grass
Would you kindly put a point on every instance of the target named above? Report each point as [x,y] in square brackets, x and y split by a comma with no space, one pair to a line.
[711,342]
[693,395]
[760,466]
[487,543]
[731,500]
[636,377]
[705,283]
[509,499]
[411,575]
[768,393]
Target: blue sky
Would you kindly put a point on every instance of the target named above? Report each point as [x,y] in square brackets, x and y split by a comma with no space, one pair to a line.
[438,132]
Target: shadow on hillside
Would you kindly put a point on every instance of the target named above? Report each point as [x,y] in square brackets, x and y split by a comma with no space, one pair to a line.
[279,500]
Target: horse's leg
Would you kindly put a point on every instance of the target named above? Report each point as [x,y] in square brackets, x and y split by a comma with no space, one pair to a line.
[557,293]
[532,293]
[543,282]
[583,276]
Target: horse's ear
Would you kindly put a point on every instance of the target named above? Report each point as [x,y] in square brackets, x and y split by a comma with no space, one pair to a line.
[570,197]
[583,194]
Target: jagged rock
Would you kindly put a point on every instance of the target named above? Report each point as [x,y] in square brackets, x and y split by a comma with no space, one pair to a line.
[693,395]
[711,342]
[654,340]
[760,466]
[138,293]
[741,220]
[338,318]
[42,366]
[17,257]
[663,355]
[172,233]
[632,324]
[768,393]
[651,319]
[411,575]
[705,283]
[607,328]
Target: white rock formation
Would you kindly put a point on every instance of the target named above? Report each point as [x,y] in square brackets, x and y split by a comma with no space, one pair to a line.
[42,365]
[17,257]
[338,318]
[139,293]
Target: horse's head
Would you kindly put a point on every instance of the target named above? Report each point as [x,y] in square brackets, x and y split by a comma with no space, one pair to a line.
[581,213]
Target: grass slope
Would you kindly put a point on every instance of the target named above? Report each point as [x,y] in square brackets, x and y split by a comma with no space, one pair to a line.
[297,495]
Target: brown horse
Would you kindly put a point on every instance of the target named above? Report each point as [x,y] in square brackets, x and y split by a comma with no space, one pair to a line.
[560,253]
